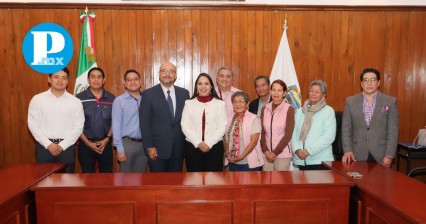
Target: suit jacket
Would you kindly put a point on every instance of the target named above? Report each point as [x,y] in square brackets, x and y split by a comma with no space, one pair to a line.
[254,104]
[158,128]
[380,138]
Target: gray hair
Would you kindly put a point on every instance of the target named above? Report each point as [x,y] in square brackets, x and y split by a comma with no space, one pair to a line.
[321,84]
[226,68]
[241,93]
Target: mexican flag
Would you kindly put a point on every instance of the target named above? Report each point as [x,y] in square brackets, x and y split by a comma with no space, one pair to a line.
[283,69]
[87,58]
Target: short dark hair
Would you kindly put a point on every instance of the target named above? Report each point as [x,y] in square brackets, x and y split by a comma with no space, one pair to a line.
[65,69]
[281,83]
[213,92]
[370,70]
[266,78]
[96,69]
[131,71]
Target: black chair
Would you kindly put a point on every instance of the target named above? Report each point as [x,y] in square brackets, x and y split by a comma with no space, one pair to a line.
[337,144]
[417,171]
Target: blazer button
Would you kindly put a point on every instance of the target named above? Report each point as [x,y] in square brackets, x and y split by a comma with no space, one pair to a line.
[368,129]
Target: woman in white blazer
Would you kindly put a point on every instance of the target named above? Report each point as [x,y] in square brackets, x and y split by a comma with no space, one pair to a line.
[204,123]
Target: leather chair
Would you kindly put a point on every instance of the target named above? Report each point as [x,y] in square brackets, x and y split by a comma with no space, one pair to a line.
[337,144]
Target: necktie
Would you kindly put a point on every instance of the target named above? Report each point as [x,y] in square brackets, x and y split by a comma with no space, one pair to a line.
[170,103]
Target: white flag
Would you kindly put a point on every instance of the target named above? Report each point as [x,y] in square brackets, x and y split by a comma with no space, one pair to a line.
[284,69]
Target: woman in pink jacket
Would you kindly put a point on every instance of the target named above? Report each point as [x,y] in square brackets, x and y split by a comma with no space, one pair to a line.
[277,129]
[242,148]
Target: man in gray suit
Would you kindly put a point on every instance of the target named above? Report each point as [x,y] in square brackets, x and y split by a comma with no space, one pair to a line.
[160,114]
[370,123]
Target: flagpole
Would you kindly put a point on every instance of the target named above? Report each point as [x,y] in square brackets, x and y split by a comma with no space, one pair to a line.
[285,22]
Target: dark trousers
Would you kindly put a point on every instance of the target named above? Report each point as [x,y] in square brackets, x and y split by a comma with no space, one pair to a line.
[312,167]
[43,155]
[197,161]
[372,159]
[172,164]
[88,159]
[242,167]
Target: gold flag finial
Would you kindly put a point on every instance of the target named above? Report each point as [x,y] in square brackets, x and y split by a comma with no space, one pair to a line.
[285,22]
[87,10]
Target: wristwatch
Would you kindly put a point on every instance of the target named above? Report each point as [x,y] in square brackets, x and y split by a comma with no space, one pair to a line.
[389,157]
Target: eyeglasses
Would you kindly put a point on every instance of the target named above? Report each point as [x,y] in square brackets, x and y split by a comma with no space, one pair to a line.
[169,71]
[238,101]
[135,79]
[369,80]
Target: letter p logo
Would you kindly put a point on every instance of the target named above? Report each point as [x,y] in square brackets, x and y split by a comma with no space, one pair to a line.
[47,48]
[40,45]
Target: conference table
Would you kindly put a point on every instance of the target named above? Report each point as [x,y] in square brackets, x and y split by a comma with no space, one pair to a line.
[383,195]
[199,197]
[17,203]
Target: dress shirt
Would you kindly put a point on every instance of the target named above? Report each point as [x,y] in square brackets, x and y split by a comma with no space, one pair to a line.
[368,108]
[227,97]
[261,105]
[172,95]
[125,119]
[51,117]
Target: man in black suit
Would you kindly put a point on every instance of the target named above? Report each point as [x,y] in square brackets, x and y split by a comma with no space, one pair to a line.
[261,83]
[160,114]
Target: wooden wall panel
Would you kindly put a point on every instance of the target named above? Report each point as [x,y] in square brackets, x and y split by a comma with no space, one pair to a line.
[334,45]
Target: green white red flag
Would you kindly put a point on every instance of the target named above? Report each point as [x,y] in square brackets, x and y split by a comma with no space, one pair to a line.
[87,57]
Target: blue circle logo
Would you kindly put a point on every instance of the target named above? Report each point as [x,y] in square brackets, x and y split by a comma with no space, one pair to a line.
[47,48]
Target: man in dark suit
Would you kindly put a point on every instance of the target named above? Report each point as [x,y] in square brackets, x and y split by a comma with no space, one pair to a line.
[160,114]
[261,84]
[370,123]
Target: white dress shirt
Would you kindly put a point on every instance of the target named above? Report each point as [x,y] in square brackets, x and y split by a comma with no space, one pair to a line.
[172,95]
[51,117]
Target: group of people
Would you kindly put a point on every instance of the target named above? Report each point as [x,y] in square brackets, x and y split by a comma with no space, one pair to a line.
[217,126]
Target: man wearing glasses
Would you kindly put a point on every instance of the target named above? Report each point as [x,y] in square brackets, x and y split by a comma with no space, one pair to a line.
[160,115]
[370,123]
[125,126]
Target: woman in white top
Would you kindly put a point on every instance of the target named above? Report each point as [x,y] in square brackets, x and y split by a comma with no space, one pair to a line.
[204,123]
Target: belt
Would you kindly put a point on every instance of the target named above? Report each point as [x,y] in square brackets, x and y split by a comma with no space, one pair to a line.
[95,140]
[56,140]
[133,139]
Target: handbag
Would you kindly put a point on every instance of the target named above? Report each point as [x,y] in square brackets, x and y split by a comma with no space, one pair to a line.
[421,139]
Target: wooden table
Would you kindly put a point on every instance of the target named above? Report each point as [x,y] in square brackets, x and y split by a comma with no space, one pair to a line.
[16,200]
[221,197]
[383,195]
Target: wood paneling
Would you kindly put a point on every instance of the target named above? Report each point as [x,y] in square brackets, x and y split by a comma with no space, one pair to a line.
[333,45]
